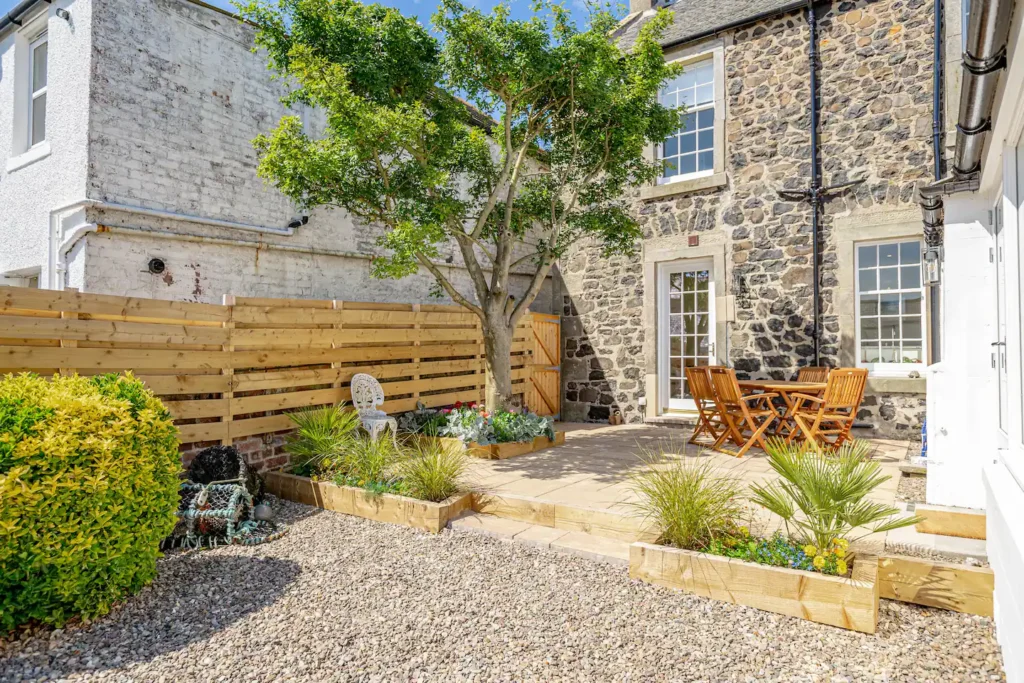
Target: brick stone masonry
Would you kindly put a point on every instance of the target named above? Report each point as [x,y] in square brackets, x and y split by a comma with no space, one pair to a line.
[876,100]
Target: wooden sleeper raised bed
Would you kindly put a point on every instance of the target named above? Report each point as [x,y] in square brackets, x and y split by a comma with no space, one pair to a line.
[386,507]
[850,603]
[501,451]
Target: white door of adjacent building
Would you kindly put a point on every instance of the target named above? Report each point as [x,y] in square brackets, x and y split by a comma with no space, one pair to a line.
[686,327]
[999,356]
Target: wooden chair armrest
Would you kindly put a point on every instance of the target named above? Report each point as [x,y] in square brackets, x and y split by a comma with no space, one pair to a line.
[808,397]
[759,396]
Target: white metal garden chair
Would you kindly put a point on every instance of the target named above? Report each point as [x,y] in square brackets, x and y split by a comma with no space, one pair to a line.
[367,394]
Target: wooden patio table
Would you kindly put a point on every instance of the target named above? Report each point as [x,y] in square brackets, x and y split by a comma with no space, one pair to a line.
[785,425]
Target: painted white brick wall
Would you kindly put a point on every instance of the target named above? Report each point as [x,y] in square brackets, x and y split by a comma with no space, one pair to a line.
[176,101]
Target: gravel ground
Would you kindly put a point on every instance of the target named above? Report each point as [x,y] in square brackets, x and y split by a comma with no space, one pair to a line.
[343,599]
[911,488]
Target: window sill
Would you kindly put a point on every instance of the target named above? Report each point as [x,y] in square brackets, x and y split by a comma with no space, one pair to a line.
[706,182]
[896,385]
[34,154]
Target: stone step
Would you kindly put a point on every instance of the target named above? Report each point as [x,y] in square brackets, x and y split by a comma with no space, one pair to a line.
[582,544]
[619,525]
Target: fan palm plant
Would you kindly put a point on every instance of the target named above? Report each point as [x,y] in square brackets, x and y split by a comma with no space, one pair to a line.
[823,497]
[320,434]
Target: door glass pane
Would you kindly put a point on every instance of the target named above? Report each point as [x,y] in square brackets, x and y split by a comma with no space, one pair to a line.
[675,282]
[689,281]
[703,277]
[702,301]
[675,388]
[690,346]
[675,324]
[702,323]
[675,303]
[689,301]
[676,367]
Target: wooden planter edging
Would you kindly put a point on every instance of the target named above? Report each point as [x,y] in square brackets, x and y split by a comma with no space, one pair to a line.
[419,514]
[847,603]
[954,587]
[950,521]
[500,451]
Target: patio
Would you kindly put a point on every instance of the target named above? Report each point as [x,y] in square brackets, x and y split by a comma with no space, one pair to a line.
[591,473]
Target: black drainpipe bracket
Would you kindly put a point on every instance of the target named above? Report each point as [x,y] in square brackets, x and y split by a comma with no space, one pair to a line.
[983,67]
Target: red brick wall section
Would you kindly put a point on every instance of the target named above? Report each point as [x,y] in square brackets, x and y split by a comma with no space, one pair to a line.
[263,453]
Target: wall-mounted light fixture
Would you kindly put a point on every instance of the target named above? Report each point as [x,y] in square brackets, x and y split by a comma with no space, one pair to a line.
[933,265]
[64,14]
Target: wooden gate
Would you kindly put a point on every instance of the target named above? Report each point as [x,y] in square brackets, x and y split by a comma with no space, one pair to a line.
[544,393]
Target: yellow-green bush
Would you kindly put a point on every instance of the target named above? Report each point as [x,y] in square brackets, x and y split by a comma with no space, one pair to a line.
[88,489]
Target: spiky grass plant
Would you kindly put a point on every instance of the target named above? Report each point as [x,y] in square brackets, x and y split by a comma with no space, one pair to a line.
[823,496]
[434,470]
[320,434]
[369,463]
[690,503]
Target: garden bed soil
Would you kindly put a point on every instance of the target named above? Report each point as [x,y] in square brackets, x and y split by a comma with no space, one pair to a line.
[850,603]
[501,451]
[385,507]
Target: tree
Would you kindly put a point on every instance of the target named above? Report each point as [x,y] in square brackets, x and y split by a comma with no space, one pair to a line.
[572,117]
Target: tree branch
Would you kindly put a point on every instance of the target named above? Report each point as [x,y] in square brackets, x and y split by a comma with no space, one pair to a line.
[448,287]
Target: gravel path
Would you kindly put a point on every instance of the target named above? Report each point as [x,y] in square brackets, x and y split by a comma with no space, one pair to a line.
[343,599]
[911,489]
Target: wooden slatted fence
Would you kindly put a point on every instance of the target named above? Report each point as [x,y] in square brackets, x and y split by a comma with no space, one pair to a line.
[232,371]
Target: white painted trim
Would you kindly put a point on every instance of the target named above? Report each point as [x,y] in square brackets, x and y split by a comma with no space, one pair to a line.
[664,270]
[32,155]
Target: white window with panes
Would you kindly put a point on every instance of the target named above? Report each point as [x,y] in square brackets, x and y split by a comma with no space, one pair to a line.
[690,151]
[890,307]
[37,91]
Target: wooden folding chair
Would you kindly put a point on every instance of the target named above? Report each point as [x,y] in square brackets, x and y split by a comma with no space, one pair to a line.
[825,421]
[812,374]
[740,414]
[709,417]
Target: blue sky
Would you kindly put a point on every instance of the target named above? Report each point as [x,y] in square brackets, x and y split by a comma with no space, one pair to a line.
[422,9]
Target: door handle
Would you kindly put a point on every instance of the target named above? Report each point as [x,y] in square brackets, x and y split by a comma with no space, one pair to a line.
[999,343]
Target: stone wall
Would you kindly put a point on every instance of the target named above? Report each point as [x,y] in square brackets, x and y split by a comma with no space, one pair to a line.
[876,90]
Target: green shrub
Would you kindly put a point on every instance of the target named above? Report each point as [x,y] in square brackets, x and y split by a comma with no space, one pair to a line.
[320,433]
[88,489]
[368,463]
[433,471]
[822,497]
[690,503]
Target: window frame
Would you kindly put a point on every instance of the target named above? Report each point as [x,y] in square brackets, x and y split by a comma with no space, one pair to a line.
[704,58]
[41,39]
[885,369]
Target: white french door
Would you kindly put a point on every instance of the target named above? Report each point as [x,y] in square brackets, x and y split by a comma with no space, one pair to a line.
[686,327]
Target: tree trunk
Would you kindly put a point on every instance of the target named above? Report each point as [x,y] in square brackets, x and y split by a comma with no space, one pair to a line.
[498,350]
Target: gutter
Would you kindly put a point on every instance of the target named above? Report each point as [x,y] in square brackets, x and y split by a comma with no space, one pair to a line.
[17,13]
[988,29]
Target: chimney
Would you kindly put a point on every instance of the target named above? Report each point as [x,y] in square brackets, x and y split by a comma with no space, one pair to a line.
[640,5]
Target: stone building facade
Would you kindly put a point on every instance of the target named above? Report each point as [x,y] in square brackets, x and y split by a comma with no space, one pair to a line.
[754,244]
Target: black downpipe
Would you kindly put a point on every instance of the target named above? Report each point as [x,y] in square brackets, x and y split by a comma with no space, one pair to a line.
[815,190]
[933,236]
